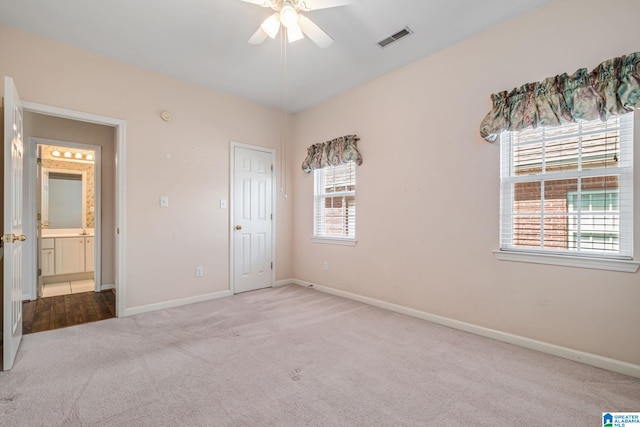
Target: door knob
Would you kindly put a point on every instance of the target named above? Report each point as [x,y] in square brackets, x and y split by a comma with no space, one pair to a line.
[10,238]
[238,227]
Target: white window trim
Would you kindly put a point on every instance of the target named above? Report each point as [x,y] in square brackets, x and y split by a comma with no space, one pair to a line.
[334,241]
[626,266]
[330,240]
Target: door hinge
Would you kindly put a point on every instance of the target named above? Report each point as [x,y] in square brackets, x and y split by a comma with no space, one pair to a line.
[39,272]
[271,168]
[271,217]
[272,265]
[39,160]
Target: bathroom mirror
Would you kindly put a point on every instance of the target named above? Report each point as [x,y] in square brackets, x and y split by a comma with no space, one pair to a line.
[63,199]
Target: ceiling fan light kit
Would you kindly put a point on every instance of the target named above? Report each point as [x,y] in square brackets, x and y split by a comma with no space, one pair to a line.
[287,14]
[294,33]
[271,25]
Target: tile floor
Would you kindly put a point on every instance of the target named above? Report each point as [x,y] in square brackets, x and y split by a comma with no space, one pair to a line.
[66,288]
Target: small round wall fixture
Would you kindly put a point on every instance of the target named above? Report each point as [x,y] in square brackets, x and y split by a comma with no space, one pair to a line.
[166,116]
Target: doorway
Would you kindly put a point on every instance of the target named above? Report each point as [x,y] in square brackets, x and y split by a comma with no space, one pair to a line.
[68,217]
[76,135]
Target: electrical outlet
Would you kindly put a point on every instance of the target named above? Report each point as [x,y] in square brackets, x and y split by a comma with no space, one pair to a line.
[199,271]
[325,266]
[164,201]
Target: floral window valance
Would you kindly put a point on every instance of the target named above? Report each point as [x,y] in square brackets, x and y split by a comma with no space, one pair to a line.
[332,153]
[612,88]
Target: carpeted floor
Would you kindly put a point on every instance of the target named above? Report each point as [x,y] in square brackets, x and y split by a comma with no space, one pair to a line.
[292,356]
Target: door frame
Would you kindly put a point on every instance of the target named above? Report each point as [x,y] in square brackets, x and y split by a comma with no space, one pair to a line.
[32,209]
[232,150]
[120,175]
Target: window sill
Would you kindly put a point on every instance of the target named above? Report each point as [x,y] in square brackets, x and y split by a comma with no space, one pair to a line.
[569,261]
[333,241]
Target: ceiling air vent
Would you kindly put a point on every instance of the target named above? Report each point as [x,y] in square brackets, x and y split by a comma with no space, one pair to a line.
[395,37]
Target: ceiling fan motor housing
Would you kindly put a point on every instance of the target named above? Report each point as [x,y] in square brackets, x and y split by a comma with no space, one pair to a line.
[288,15]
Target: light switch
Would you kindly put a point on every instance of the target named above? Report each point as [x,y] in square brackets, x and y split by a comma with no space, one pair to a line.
[223,204]
[164,201]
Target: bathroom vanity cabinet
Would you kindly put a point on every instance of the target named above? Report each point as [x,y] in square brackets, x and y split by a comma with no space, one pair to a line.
[88,254]
[67,255]
[48,267]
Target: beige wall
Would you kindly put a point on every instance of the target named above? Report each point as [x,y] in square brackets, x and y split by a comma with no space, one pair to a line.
[431,249]
[186,159]
[49,127]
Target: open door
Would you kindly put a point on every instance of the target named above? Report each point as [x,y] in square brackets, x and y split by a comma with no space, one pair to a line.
[12,236]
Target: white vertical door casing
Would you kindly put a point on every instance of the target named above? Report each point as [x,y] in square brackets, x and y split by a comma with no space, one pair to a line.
[44,258]
[252,222]
[44,206]
[12,263]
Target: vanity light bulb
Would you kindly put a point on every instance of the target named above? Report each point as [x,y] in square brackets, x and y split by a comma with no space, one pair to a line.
[56,153]
[89,157]
[78,155]
[67,154]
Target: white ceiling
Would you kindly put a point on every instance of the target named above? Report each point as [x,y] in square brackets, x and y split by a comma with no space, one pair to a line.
[205,41]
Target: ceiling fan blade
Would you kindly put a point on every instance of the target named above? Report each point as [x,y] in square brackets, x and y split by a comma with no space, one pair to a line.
[322,4]
[263,3]
[315,33]
[258,37]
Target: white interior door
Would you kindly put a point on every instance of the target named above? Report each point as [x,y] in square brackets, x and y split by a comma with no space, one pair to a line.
[252,219]
[12,236]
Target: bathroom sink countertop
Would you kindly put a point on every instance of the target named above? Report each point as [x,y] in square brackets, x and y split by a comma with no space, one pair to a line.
[52,236]
[52,233]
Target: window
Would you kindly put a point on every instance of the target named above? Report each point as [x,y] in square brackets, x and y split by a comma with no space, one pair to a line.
[568,190]
[335,202]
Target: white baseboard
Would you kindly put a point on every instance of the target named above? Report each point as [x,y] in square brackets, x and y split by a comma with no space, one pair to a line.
[556,350]
[284,282]
[130,311]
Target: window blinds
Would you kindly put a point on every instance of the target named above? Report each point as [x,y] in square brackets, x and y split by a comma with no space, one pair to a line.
[335,201]
[569,189]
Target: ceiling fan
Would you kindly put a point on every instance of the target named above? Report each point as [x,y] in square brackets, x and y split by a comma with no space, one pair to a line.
[287,13]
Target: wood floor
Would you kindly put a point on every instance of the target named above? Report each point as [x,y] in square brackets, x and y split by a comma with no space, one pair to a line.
[49,313]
